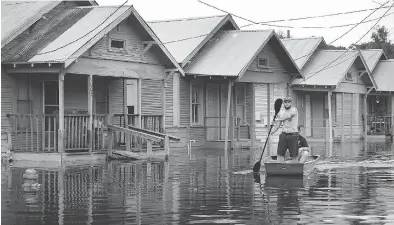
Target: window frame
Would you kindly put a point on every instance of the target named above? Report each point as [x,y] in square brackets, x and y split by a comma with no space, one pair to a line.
[24,124]
[262,66]
[347,76]
[112,49]
[199,103]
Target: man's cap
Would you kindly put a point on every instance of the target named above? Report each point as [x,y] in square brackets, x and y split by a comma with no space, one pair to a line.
[287,99]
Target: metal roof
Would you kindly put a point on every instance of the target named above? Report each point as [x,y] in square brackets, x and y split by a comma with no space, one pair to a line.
[301,49]
[333,74]
[17,16]
[384,75]
[59,39]
[191,31]
[228,52]
[372,56]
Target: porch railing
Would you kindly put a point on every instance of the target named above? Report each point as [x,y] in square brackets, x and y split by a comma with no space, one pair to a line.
[379,125]
[39,132]
[148,122]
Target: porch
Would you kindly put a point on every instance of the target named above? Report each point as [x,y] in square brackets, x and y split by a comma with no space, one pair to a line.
[39,133]
[220,110]
[380,114]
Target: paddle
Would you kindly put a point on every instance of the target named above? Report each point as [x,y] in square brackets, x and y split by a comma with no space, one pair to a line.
[278,105]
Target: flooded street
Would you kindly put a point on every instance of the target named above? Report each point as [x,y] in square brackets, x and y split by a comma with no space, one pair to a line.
[352,184]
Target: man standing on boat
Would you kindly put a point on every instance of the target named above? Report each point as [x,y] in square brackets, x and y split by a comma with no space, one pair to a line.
[288,139]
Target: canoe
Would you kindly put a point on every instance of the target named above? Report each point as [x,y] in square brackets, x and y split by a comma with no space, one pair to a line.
[273,168]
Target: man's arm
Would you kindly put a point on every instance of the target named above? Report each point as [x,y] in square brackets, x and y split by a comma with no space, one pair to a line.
[276,125]
[286,116]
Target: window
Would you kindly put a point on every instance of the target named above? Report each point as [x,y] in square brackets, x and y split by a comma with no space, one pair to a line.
[24,102]
[117,44]
[240,101]
[262,62]
[196,104]
[349,77]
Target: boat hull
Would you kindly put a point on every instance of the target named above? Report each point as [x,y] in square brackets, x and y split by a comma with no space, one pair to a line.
[273,168]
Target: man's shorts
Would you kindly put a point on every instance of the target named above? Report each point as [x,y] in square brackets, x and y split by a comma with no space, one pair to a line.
[288,141]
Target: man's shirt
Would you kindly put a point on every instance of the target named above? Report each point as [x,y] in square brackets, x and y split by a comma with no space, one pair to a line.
[290,125]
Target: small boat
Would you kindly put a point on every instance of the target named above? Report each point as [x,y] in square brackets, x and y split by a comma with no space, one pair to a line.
[288,168]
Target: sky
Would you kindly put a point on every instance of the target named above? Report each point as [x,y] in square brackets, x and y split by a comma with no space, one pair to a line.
[265,10]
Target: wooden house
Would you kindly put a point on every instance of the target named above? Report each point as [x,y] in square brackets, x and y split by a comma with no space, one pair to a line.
[227,75]
[379,101]
[184,38]
[331,97]
[76,69]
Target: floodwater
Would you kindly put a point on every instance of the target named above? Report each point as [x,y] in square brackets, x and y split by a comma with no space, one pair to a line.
[353,184]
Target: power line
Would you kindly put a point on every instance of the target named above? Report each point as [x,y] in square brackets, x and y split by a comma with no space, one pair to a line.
[41,53]
[354,43]
[267,23]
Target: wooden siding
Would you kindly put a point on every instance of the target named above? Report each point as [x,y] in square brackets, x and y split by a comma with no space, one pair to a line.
[249,108]
[7,99]
[261,100]
[197,134]
[117,99]
[275,66]
[184,101]
[151,97]
[318,124]
[133,34]
[169,108]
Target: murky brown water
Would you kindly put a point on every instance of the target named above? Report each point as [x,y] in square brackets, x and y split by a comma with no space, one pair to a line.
[350,186]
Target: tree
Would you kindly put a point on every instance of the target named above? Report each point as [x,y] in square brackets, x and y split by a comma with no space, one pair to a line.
[379,40]
[332,47]
[281,34]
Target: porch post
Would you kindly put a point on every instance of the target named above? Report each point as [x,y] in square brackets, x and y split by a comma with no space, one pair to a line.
[366,114]
[139,110]
[90,111]
[163,100]
[392,113]
[61,112]
[227,115]
[329,116]
[343,117]
[252,123]
[351,116]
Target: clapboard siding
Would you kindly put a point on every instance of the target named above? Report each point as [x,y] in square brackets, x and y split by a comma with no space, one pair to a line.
[273,61]
[184,101]
[7,99]
[261,96]
[133,34]
[169,91]
[197,134]
[151,97]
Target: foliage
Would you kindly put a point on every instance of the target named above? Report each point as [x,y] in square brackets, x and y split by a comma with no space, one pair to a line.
[379,40]
[332,47]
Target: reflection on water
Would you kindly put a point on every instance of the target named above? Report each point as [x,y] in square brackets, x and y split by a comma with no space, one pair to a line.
[354,184]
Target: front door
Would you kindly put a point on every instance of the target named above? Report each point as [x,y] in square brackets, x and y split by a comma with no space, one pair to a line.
[213,112]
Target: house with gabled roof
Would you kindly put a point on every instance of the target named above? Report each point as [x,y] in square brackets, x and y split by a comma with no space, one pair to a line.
[379,119]
[78,69]
[331,96]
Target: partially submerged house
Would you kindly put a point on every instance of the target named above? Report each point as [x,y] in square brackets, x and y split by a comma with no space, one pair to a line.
[77,69]
[234,79]
[380,100]
[331,96]
[380,115]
